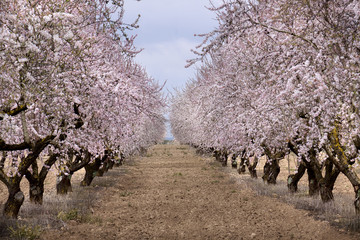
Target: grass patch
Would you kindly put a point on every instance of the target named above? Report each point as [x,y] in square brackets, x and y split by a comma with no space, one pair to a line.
[73,214]
[23,231]
[340,212]
[165,142]
[54,213]
[125,194]
[181,148]
[218,176]
[215,164]
[76,215]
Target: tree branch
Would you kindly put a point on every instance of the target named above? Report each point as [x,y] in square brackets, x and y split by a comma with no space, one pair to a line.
[13,147]
[36,150]
[81,164]
[283,31]
[13,112]
[47,165]
[4,178]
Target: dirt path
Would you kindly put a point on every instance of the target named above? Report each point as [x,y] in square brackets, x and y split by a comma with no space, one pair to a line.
[174,194]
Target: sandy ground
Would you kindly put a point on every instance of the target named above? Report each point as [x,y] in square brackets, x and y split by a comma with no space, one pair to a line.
[174,194]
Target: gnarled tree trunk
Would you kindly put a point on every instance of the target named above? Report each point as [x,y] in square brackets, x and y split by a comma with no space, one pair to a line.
[242,166]
[342,162]
[314,187]
[317,183]
[293,179]
[233,161]
[15,200]
[36,180]
[119,161]
[111,164]
[252,167]
[224,158]
[63,184]
[16,196]
[36,192]
[221,156]
[104,168]
[271,171]
[272,167]
[326,187]
[90,172]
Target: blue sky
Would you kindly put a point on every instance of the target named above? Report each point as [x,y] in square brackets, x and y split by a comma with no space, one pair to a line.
[166,34]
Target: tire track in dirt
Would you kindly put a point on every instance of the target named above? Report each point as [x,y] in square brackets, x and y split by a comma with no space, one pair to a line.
[174,194]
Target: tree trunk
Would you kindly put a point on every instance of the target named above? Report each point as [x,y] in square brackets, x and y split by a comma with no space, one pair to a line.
[143,152]
[357,201]
[102,170]
[15,200]
[111,164]
[272,168]
[331,174]
[16,196]
[36,187]
[119,160]
[271,171]
[224,158]
[91,172]
[325,184]
[36,180]
[36,192]
[63,184]
[217,155]
[326,194]
[88,178]
[252,167]
[118,163]
[314,188]
[233,161]
[293,179]
[242,168]
[342,163]
[104,167]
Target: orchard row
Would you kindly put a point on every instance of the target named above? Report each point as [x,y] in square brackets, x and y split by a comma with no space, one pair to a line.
[70,93]
[278,77]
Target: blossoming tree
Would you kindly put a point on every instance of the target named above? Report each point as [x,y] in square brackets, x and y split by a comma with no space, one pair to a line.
[280,76]
[69,87]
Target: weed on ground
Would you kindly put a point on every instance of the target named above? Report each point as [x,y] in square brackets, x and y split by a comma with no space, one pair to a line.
[56,211]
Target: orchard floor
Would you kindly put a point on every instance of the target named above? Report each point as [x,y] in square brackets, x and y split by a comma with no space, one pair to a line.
[174,194]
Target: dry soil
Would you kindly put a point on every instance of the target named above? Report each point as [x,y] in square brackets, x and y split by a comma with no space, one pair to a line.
[171,193]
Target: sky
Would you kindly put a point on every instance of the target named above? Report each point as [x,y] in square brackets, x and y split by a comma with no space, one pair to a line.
[166,35]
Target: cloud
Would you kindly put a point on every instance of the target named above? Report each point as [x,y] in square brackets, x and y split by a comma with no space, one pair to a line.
[165,61]
[166,34]
[170,20]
